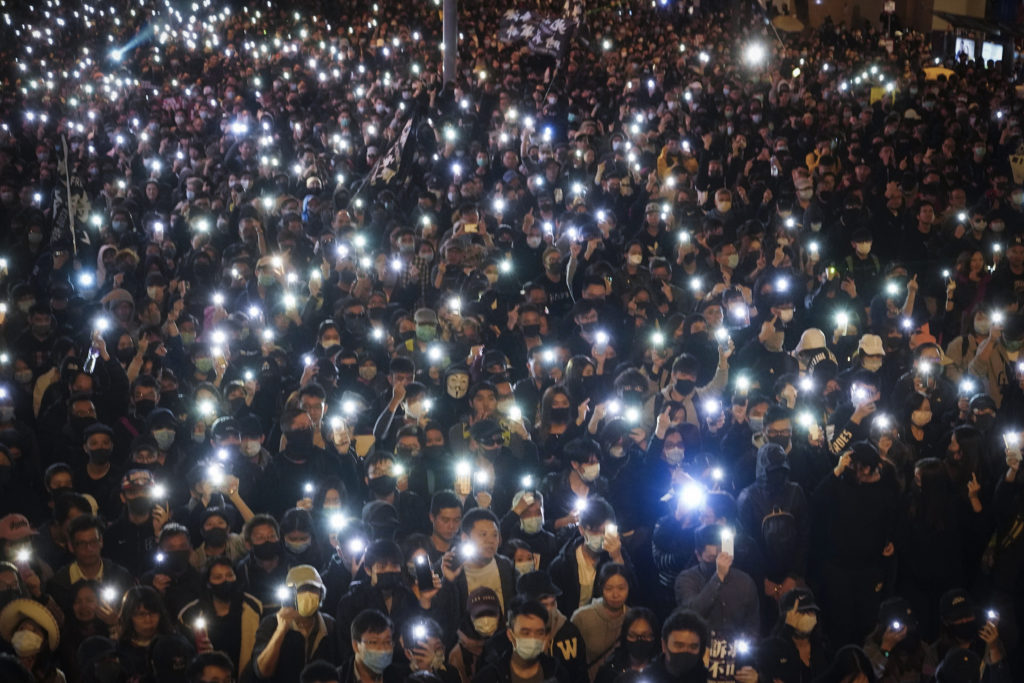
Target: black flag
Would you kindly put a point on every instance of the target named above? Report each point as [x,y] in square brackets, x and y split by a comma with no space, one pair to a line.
[542,35]
[390,167]
[70,204]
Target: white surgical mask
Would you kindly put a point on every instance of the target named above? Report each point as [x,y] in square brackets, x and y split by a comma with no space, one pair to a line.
[486,626]
[590,472]
[786,315]
[531,525]
[524,567]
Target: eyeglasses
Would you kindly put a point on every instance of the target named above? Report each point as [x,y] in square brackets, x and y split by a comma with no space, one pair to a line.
[645,637]
[772,432]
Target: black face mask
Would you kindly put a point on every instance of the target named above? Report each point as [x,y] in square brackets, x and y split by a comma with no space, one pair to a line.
[100,456]
[176,561]
[699,338]
[216,537]
[382,486]
[125,355]
[433,452]
[389,581]
[985,422]
[632,396]
[140,506]
[967,630]
[531,330]
[269,550]
[223,591]
[783,441]
[560,415]
[144,407]
[641,650]
[679,663]
[237,405]
[300,441]
[684,387]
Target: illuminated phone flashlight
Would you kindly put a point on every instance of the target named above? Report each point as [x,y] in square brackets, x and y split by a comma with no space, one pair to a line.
[515,414]
[467,550]
[925,367]
[998,318]
[356,546]
[813,246]
[991,615]
[806,384]
[377,334]
[657,339]
[419,631]
[455,304]
[481,478]
[842,320]
[101,325]
[695,284]
[580,505]
[712,407]
[782,284]
[717,474]
[159,491]
[268,334]
[996,247]
[289,301]
[790,222]
[882,421]
[463,469]
[1011,439]
[206,408]
[505,266]
[693,496]
[601,338]
[602,216]
[896,625]
[86,280]
[892,289]
[108,594]
[967,387]
[548,356]
[434,353]
[684,237]
[722,335]
[283,593]
[218,299]
[742,646]
[962,217]
[805,420]
[907,323]
[307,487]
[23,555]
[398,470]
[527,482]
[160,557]
[632,415]
[614,407]
[549,227]
[215,475]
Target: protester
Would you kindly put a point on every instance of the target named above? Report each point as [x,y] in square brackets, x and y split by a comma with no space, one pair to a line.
[325,364]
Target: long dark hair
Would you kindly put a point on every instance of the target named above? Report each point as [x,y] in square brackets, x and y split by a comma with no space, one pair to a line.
[929,502]
[634,614]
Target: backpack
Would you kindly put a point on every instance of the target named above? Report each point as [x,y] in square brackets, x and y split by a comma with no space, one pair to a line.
[780,535]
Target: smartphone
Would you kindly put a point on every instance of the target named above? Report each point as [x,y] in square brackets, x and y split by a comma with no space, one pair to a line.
[424,576]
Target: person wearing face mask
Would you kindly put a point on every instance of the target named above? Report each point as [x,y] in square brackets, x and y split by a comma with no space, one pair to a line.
[384,589]
[895,646]
[218,539]
[263,568]
[528,634]
[722,594]
[796,649]
[963,627]
[34,635]
[579,562]
[581,480]
[298,633]
[854,512]
[172,576]
[477,630]
[382,480]
[97,476]
[963,348]
[223,617]
[297,464]
[774,511]
[685,638]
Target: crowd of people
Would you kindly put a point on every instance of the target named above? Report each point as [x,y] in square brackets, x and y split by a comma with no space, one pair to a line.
[693,353]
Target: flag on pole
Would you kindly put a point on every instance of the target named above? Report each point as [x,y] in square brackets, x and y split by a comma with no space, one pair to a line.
[70,202]
[391,167]
[542,35]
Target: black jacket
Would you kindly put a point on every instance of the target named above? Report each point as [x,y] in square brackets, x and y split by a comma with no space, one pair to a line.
[565,574]
[501,672]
